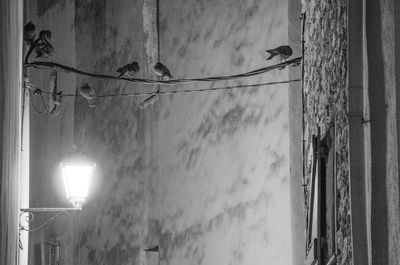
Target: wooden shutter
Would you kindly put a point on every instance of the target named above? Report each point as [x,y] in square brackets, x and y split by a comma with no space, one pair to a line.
[312,231]
[321,211]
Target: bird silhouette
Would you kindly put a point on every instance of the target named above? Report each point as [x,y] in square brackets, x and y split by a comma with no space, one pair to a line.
[29,32]
[54,105]
[45,35]
[129,69]
[56,97]
[88,93]
[283,52]
[162,71]
[43,48]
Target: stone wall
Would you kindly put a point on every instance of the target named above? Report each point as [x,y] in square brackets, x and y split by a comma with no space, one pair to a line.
[325,84]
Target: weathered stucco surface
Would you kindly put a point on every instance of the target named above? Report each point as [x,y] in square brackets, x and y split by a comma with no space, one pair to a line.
[223,193]
[51,136]
[203,175]
[296,137]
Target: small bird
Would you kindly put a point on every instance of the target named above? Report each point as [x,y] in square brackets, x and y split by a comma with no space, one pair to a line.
[45,35]
[162,71]
[29,32]
[43,48]
[88,93]
[129,69]
[283,51]
[57,97]
[55,103]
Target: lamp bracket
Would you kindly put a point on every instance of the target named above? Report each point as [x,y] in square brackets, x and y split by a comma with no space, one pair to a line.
[30,216]
[50,209]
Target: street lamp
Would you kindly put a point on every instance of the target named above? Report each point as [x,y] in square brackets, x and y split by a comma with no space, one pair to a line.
[76,172]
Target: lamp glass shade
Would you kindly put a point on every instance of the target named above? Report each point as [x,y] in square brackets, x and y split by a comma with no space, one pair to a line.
[77,177]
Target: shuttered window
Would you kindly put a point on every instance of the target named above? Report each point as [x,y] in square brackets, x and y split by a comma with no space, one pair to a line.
[321,201]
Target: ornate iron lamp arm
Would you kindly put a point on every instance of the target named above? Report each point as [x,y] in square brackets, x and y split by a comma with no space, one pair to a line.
[30,216]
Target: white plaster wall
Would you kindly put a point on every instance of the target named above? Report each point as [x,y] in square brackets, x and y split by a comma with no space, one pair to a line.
[223,190]
[51,136]
[204,175]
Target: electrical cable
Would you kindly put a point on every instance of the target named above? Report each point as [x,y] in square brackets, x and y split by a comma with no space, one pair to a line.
[40,93]
[172,92]
[52,65]
[68,69]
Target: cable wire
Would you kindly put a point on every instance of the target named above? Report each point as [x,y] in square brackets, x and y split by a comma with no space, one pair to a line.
[68,69]
[174,92]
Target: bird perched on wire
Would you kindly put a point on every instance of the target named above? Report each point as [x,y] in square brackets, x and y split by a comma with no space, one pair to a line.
[29,33]
[43,48]
[88,93]
[45,35]
[283,52]
[162,71]
[129,69]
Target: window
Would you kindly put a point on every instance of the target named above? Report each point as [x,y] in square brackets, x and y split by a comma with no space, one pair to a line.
[321,201]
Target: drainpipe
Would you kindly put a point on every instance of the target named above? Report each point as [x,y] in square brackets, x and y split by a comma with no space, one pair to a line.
[357,136]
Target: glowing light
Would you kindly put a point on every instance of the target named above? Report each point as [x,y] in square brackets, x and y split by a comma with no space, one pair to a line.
[77,177]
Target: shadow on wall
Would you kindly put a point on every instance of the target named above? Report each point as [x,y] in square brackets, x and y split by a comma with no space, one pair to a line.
[44,5]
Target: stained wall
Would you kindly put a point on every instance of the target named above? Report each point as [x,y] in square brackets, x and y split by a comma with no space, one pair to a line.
[51,135]
[204,175]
